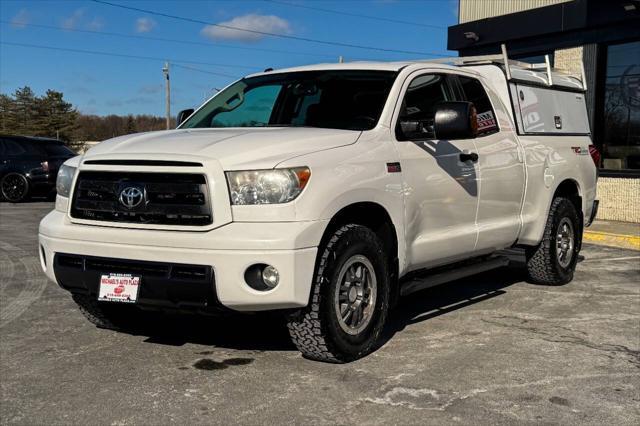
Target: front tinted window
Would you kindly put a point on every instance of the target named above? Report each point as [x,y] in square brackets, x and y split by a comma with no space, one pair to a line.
[350,100]
[421,100]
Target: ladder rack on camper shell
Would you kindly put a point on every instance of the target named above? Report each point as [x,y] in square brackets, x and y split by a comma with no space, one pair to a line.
[522,71]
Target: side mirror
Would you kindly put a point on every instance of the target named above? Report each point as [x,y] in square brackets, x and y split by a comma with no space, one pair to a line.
[456,120]
[183,115]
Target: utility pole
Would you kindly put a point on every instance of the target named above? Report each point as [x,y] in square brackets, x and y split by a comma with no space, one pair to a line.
[165,71]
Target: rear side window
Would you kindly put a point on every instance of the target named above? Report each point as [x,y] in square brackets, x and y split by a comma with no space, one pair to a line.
[55,149]
[12,148]
[473,91]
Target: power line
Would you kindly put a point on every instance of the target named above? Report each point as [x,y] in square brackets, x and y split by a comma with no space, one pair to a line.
[120,55]
[265,33]
[140,37]
[357,15]
[199,70]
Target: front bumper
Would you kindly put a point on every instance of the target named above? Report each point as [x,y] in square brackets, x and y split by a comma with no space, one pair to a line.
[166,286]
[290,247]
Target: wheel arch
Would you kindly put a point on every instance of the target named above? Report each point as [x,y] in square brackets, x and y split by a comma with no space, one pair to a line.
[570,189]
[377,218]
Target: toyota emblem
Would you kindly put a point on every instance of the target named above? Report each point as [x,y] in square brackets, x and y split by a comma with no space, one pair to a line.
[131,197]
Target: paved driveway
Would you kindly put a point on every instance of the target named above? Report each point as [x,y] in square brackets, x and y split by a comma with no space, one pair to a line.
[488,349]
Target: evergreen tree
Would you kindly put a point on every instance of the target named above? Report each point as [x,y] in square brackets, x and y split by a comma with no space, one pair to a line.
[7,114]
[26,112]
[57,118]
[131,125]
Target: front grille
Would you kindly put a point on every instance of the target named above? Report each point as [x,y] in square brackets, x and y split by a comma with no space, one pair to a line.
[166,198]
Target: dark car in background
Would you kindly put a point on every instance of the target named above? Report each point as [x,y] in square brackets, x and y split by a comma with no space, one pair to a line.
[28,166]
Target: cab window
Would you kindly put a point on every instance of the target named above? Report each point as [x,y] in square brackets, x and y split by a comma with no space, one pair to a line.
[472,91]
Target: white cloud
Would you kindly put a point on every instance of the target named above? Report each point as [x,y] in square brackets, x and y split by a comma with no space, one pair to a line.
[254,22]
[72,21]
[80,19]
[21,18]
[145,25]
[95,25]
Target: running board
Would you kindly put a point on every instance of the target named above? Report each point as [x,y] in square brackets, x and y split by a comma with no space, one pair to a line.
[451,273]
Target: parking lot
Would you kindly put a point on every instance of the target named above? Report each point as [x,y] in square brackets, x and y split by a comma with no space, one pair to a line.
[488,349]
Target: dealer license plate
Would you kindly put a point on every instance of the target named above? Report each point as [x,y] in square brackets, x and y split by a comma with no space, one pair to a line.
[119,288]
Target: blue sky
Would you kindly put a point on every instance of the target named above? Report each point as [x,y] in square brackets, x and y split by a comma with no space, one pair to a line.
[98,84]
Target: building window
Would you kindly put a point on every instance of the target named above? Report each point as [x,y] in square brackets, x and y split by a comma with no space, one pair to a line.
[535,58]
[621,127]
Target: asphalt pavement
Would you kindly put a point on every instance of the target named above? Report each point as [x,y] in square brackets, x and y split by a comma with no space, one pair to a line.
[490,349]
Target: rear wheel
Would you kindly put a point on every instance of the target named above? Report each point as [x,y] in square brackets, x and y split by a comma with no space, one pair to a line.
[14,187]
[349,300]
[553,261]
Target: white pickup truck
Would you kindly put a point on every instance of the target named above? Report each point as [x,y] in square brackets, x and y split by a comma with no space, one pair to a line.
[326,192]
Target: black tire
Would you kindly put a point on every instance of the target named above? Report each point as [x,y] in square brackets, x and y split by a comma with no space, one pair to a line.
[14,187]
[544,266]
[318,330]
[109,315]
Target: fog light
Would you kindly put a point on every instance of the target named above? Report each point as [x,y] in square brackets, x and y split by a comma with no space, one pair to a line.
[262,277]
[270,276]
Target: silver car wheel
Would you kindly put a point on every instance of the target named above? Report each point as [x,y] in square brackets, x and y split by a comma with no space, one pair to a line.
[565,242]
[355,296]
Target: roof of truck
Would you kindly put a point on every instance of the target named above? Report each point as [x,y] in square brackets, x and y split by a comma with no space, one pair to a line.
[537,76]
[355,65]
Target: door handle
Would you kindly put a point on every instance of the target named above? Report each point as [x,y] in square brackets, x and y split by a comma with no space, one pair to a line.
[472,156]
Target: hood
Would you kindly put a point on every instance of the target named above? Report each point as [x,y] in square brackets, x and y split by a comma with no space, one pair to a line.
[255,148]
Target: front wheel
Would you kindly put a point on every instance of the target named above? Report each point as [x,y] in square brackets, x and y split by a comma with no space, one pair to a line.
[109,315]
[553,261]
[349,298]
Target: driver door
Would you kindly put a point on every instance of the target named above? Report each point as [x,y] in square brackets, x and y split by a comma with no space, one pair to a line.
[441,191]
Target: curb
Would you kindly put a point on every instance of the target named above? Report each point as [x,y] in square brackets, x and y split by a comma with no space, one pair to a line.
[612,240]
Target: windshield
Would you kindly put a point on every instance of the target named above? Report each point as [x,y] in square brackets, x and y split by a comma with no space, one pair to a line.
[351,100]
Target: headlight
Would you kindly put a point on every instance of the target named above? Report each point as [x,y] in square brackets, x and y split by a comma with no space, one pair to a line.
[267,186]
[64,179]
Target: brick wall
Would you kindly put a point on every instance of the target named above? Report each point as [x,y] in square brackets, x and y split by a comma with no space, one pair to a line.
[568,59]
[619,199]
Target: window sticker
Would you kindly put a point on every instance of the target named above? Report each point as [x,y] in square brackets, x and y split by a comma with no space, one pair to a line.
[486,121]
